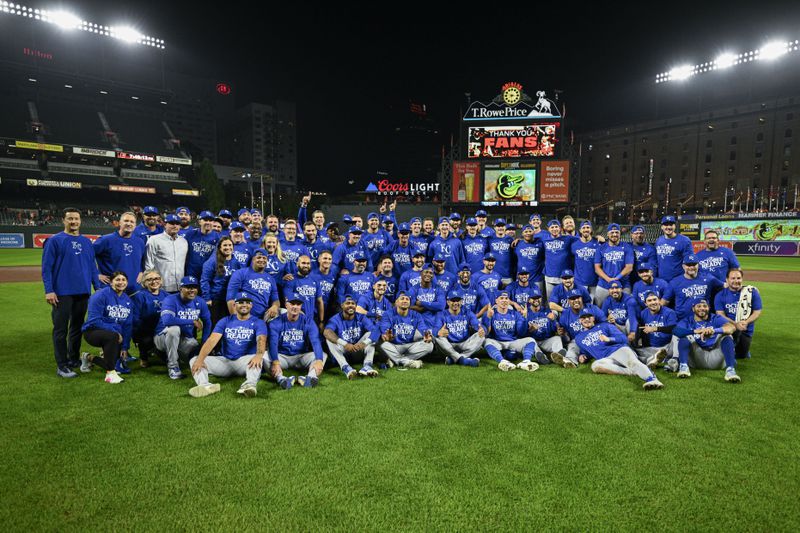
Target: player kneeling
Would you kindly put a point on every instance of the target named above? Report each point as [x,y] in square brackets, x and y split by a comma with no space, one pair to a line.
[608,346]
[506,329]
[452,327]
[705,342]
[294,344]
[244,342]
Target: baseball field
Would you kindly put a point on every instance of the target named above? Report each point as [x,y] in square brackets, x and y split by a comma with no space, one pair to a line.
[440,448]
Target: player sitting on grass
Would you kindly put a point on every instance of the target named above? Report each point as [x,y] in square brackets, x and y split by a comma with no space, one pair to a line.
[656,323]
[452,328]
[544,330]
[244,343]
[506,330]
[704,341]
[608,346]
[407,337]
[741,305]
[348,335]
[294,344]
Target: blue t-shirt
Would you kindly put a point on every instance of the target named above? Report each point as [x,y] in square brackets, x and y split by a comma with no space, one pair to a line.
[643,253]
[473,296]
[664,318]
[458,326]
[726,300]
[545,326]
[260,286]
[584,254]
[508,326]
[718,262]
[352,330]
[474,249]
[690,324]
[404,328]
[570,320]
[623,310]
[557,253]
[491,282]
[307,289]
[531,256]
[239,337]
[559,294]
[613,260]
[201,248]
[501,248]
[589,343]
[662,289]
[375,308]
[671,253]
[687,289]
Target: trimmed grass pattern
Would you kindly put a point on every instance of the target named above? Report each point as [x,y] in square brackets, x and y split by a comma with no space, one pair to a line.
[433,449]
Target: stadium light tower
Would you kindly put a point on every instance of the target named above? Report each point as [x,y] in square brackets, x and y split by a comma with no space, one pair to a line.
[65,20]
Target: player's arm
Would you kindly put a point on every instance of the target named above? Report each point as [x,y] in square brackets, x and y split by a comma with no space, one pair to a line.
[206,349]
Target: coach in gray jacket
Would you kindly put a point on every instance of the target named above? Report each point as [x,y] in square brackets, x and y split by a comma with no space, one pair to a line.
[166,252]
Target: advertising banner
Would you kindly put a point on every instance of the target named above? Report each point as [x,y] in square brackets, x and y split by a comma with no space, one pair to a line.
[699,246]
[513,104]
[689,229]
[39,146]
[95,152]
[555,182]
[173,160]
[12,240]
[53,183]
[504,142]
[39,238]
[509,184]
[466,181]
[131,188]
[782,248]
[185,192]
[755,230]
[136,157]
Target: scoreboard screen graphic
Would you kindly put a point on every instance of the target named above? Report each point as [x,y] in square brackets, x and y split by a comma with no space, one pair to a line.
[509,142]
[509,185]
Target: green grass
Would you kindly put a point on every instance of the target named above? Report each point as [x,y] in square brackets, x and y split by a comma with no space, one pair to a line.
[790,264]
[442,448]
[21,257]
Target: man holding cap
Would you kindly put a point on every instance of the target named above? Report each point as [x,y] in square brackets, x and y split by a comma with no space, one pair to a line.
[182,314]
[671,250]
[350,335]
[244,344]
[643,252]
[448,246]
[406,336]
[452,328]
[149,226]
[202,243]
[294,344]
[704,341]
[259,284]
[613,261]
[506,331]
[648,283]
[166,252]
[609,348]
[693,284]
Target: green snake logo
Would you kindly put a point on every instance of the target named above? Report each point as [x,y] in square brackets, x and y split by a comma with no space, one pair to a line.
[509,185]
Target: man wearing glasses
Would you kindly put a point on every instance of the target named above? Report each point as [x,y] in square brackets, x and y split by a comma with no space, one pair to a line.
[166,252]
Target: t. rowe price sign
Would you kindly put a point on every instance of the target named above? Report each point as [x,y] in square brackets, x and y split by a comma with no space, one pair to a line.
[774,248]
[386,187]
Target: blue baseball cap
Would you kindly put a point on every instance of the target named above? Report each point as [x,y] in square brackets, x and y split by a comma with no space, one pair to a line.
[183,209]
[242,297]
[489,256]
[415,219]
[585,312]
[427,266]
[637,228]
[499,222]
[242,211]
[150,210]
[439,257]
[481,213]
[668,219]
[523,270]
[464,266]
[612,227]
[372,215]
[554,222]
[574,293]
[699,300]
[418,253]
[527,227]
[567,273]
[236,226]
[255,212]
[503,293]
[355,229]
[535,215]
[535,293]
[586,223]
[455,216]
[172,219]
[225,213]
[347,218]
[471,221]
[387,218]
[348,297]
[455,294]
[646,294]
[615,285]
[261,251]
[404,228]
[444,219]
[189,281]
[643,267]
[358,255]
[206,215]
[511,226]
[402,292]
[690,259]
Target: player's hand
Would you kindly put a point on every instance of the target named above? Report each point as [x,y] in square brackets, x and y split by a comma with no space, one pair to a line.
[255,361]
[51,299]
[631,337]
[560,330]
[272,312]
[198,324]
[490,312]
[427,337]
[104,279]
[443,332]
[344,272]
[481,332]
[393,205]
[582,359]
[198,365]
[741,325]
[551,315]
[604,338]
[648,329]
[119,338]
[349,348]
[357,347]
[275,369]
[209,302]
[532,327]
[388,336]
[306,199]
[288,277]
[382,208]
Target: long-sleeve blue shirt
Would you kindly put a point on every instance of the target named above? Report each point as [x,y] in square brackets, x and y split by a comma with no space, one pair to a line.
[352,330]
[214,286]
[201,247]
[491,283]
[450,248]
[409,280]
[114,252]
[147,311]
[260,286]
[473,296]
[474,250]
[686,327]
[287,337]
[727,301]
[431,299]
[665,318]
[589,343]
[175,311]
[570,320]
[293,249]
[401,257]
[376,244]
[375,308]
[242,252]
[68,265]
[111,311]
[623,310]
[344,253]
[559,294]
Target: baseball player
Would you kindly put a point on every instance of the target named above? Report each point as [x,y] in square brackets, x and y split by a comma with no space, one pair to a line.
[613,261]
[244,344]
[609,348]
[291,246]
[544,330]
[693,284]
[557,253]
[294,344]
[648,283]
[506,330]
[452,328]
[441,277]
[705,341]
[621,310]
[474,245]
[376,240]
[375,305]
[418,239]
[410,278]
[202,242]
[741,305]
[521,290]
[473,296]
[344,254]
[716,260]
[569,325]
[358,282]
[406,336]
[241,248]
[305,286]
[560,295]
[386,273]
[428,298]
[401,250]
[488,279]
[448,245]
[584,250]
[671,250]
[656,323]
[529,254]
[500,246]
[259,284]
[315,242]
[643,252]
[349,334]
[149,226]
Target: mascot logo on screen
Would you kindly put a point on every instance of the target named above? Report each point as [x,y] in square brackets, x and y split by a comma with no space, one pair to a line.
[509,185]
[512,93]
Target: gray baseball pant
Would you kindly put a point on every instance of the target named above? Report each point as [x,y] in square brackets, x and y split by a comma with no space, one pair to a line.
[573,352]
[460,349]
[516,346]
[550,284]
[624,362]
[712,359]
[338,352]
[174,345]
[400,353]
[302,361]
[223,367]
[649,351]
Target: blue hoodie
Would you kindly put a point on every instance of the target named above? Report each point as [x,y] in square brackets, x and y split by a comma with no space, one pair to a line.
[113,312]
[68,265]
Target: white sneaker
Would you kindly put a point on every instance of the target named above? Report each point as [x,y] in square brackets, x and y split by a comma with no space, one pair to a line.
[86,365]
[413,363]
[657,358]
[506,365]
[204,390]
[247,390]
[652,384]
[528,366]
[113,377]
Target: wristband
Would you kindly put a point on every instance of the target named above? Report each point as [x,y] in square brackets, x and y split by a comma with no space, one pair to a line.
[341,342]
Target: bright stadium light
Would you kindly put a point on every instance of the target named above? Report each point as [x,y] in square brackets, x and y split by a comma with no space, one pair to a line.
[127,34]
[682,72]
[773,50]
[64,19]
[725,60]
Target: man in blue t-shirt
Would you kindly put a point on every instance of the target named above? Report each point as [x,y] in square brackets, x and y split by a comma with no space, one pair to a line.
[294,344]
[716,260]
[704,341]
[740,305]
[244,343]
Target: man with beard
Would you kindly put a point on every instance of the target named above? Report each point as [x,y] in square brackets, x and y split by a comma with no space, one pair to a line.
[584,251]
[305,287]
[520,291]
[121,251]
[455,224]
[671,250]
[643,252]
[569,325]
[741,306]
[259,284]
[488,279]
[693,284]
[386,273]
[326,279]
[350,335]
[557,253]
[244,216]
[401,250]
[568,225]
[621,310]
[704,341]
[499,245]
[544,330]
[344,253]
[406,337]
[272,223]
[202,243]
[313,243]
[375,240]
[560,295]
[474,245]
[444,279]
[227,218]
[483,230]
[185,216]
[453,328]
[613,261]
[410,278]
[356,283]
[253,237]
[529,254]
[473,297]
[648,283]
[428,298]
[716,260]
[447,245]
[656,323]
[149,226]
[294,345]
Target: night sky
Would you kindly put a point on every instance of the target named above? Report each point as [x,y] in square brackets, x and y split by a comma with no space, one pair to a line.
[346,67]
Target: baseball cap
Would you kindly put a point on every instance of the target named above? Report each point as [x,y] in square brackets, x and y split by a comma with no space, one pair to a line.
[225,213]
[567,273]
[358,255]
[699,300]
[387,218]
[439,257]
[189,281]
[481,213]
[404,228]
[613,227]
[554,222]
[349,297]
[527,227]
[255,212]
[261,251]
[499,222]
[464,266]
[355,229]
[511,226]
[206,215]
[669,219]
[615,285]
[172,219]
[646,294]
[535,292]
[471,221]
[347,218]
[643,267]
[372,215]
[415,219]
[418,254]
[586,223]
[150,210]
[535,215]
[637,228]
[503,293]
[523,270]
[242,297]
[402,292]
[455,294]
[586,312]
[489,256]
[427,266]
[690,259]
[455,216]
[444,219]
[236,226]
[242,211]
[183,209]
[574,293]
[295,299]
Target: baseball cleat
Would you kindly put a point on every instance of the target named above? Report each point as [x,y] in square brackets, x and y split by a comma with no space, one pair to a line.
[671,365]
[506,365]
[131,358]
[121,367]
[350,372]
[113,377]
[731,376]
[86,365]
[413,363]
[528,366]
[557,358]
[368,372]
[469,361]
[287,383]
[652,383]
[204,390]
[175,373]
[683,371]
[65,372]
[247,390]
[449,360]
[307,381]
[657,358]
